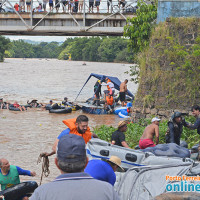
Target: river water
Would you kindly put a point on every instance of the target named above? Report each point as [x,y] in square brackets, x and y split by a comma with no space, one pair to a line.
[24,135]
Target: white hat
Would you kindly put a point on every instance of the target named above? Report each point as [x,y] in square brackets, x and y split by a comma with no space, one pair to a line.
[155,119]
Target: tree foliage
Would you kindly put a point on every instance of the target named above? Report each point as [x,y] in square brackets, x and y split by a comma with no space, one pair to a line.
[4,45]
[138,29]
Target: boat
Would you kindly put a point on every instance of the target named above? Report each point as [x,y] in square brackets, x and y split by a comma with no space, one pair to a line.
[88,107]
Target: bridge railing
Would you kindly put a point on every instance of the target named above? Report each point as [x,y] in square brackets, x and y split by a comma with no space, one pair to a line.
[72,8]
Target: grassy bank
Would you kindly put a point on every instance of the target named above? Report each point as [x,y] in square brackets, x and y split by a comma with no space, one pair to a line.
[135,131]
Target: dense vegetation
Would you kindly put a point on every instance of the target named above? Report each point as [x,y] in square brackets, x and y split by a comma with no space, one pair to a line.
[4,45]
[103,49]
[135,130]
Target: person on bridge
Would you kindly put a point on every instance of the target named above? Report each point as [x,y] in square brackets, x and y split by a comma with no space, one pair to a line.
[45,5]
[91,5]
[149,132]
[109,4]
[28,5]
[51,5]
[97,4]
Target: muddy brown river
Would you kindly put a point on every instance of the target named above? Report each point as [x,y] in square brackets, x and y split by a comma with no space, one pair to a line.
[24,135]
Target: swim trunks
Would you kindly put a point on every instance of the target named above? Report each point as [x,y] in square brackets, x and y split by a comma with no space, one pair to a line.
[122,96]
[144,143]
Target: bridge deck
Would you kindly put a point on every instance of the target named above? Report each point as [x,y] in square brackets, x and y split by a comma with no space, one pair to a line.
[64,24]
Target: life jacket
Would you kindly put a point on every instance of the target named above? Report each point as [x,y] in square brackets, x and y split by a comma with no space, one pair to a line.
[109,100]
[128,110]
[73,130]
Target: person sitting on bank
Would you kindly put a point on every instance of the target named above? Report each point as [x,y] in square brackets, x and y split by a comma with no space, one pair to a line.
[109,104]
[73,182]
[149,132]
[3,105]
[21,108]
[175,128]
[104,170]
[9,174]
[118,137]
[77,126]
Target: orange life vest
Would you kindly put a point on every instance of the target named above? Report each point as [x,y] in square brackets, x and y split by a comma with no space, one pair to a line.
[73,130]
[108,82]
[109,100]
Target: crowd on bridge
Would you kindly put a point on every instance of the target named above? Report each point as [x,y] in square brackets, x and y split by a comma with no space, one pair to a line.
[71,6]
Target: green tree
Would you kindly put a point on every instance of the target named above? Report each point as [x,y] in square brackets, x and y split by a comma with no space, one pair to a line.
[4,45]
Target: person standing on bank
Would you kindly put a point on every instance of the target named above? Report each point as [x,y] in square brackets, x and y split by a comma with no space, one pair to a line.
[73,183]
[104,170]
[118,137]
[175,128]
[122,91]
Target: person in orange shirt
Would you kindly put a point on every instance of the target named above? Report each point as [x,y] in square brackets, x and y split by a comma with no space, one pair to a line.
[109,104]
[77,126]
[16,6]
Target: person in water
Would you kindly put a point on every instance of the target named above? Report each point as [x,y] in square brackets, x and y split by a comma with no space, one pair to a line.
[104,170]
[21,108]
[9,174]
[118,137]
[66,102]
[149,132]
[77,126]
[3,104]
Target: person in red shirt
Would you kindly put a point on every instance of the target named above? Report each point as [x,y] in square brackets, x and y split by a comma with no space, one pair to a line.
[16,105]
[16,6]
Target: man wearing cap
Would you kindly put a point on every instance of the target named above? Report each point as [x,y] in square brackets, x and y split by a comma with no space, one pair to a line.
[104,170]
[77,126]
[118,137]
[175,128]
[149,132]
[66,103]
[73,183]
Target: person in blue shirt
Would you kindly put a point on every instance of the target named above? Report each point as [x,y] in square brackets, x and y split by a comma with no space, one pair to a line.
[9,174]
[104,170]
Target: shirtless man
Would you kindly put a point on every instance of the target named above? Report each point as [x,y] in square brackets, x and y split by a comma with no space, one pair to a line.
[122,91]
[147,137]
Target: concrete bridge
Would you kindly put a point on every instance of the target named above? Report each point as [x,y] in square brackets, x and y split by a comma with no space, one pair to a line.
[64,24]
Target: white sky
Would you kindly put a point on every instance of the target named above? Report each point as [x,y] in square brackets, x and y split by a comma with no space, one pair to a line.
[39,38]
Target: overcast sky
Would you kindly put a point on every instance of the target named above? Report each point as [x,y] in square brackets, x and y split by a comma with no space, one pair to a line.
[38,38]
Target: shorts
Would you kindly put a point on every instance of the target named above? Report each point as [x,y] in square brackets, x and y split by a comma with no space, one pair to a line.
[122,96]
[144,143]
[44,5]
[28,3]
[50,4]
[122,3]
[91,4]
[109,2]
[97,3]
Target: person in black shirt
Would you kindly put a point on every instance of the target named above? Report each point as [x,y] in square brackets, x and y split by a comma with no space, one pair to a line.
[175,128]
[118,137]
[97,93]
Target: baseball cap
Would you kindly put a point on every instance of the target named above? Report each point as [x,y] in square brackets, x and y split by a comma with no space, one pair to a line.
[65,98]
[155,119]
[71,148]
[50,101]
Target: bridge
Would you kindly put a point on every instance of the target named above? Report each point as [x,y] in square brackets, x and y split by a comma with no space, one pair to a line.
[66,23]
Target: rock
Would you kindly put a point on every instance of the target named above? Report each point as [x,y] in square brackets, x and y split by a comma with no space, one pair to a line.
[178,196]
[154,111]
[163,112]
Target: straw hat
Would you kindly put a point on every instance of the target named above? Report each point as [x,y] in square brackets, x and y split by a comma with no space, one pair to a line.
[122,123]
[115,160]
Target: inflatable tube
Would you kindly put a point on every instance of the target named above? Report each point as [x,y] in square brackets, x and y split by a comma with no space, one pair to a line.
[18,191]
[117,110]
[13,108]
[61,111]
[123,114]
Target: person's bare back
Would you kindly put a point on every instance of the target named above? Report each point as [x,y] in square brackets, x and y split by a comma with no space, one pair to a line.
[123,86]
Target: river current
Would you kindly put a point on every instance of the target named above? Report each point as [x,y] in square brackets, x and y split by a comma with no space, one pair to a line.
[24,135]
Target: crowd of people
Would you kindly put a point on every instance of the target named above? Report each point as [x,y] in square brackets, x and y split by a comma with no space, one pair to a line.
[97,175]
[108,94]
[73,6]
